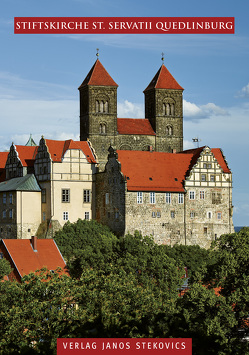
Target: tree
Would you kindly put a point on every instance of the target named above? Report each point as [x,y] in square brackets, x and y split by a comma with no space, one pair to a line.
[86,243]
[5,268]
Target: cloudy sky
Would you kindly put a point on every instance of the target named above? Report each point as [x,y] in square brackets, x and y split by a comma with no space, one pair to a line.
[40,74]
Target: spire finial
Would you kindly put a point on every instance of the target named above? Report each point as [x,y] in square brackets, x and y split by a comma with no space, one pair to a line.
[97,54]
[162,57]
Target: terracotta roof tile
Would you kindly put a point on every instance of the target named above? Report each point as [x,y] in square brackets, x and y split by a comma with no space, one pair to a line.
[217,152]
[27,260]
[163,80]
[134,126]
[98,76]
[3,159]
[26,154]
[164,171]
[57,149]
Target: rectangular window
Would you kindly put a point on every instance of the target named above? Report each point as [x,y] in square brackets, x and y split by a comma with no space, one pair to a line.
[10,198]
[168,197]
[65,216]
[139,197]
[172,214]
[202,195]
[209,215]
[191,195]
[11,213]
[65,195]
[87,215]
[107,198]
[219,215]
[158,214]
[205,165]
[43,195]
[4,197]
[212,178]
[205,230]
[116,214]
[44,216]
[153,214]
[87,196]
[192,214]
[152,197]
[4,213]
[180,197]
[203,177]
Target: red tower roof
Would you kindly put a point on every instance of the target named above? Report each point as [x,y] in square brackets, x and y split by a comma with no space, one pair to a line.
[98,76]
[163,80]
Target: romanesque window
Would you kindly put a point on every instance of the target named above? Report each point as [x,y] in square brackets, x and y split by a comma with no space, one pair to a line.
[101,106]
[168,109]
[169,131]
[209,215]
[102,128]
[180,197]
[139,197]
[168,197]
[152,197]
[65,195]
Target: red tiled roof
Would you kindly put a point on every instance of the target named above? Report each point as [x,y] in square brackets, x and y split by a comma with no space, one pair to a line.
[57,149]
[135,126]
[163,80]
[27,260]
[26,154]
[154,171]
[3,159]
[98,76]
[217,152]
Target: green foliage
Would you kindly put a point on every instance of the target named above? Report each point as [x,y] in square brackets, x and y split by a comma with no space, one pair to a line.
[5,268]
[86,244]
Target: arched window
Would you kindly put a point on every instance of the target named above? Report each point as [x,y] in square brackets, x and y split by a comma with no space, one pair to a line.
[172,111]
[167,109]
[101,106]
[100,128]
[169,131]
[97,106]
[106,108]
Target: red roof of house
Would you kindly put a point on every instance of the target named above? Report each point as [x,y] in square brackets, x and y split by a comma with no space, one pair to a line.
[163,80]
[3,159]
[135,126]
[57,149]
[26,154]
[217,152]
[98,76]
[27,260]
[154,171]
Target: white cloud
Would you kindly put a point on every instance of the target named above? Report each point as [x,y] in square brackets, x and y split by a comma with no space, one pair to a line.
[129,109]
[244,91]
[194,112]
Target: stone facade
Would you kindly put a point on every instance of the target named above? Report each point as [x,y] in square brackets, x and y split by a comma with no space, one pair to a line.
[198,214]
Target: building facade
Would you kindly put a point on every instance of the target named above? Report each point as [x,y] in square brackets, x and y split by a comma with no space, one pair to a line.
[161,130]
[180,198]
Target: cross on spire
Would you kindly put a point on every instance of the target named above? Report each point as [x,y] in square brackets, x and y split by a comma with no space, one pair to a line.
[162,57]
[97,54]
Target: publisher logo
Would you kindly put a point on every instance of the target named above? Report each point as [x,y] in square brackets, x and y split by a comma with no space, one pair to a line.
[131,346]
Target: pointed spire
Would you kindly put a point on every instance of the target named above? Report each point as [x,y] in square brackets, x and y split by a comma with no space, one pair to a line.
[163,80]
[31,141]
[98,76]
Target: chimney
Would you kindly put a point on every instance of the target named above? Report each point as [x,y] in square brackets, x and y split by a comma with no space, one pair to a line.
[34,242]
[174,151]
[150,148]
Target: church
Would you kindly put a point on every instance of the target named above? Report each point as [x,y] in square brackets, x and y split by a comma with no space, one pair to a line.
[130,174]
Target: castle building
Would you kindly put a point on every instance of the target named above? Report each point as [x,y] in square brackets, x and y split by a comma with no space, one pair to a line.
[161,130]
[180,198]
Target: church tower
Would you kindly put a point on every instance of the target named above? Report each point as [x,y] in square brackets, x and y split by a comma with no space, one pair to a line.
[163,108]
[98,110]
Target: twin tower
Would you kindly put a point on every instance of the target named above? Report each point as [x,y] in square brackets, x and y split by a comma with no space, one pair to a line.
[161,130]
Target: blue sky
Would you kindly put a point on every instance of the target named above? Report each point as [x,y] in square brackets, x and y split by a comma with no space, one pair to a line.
[40,74]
